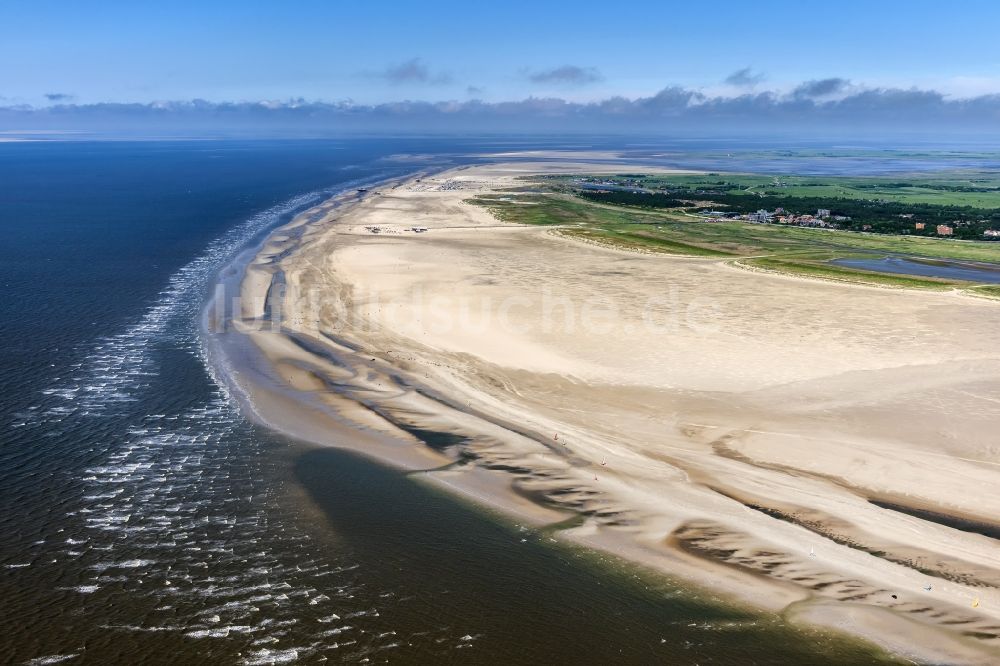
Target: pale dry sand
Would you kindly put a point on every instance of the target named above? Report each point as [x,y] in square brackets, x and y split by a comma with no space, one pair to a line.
[727,426]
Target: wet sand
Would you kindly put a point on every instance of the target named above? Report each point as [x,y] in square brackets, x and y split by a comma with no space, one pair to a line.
[822,450]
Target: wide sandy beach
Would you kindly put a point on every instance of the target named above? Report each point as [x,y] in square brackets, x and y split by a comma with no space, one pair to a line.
[822,450]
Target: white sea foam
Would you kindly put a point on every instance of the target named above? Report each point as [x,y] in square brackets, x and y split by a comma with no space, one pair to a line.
[164,505]
[267,657]
[51,659]
[118,367]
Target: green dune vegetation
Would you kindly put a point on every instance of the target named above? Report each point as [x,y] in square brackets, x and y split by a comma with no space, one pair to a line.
[988,291]
[667,213]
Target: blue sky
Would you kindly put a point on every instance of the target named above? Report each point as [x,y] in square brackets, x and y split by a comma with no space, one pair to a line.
[369,53]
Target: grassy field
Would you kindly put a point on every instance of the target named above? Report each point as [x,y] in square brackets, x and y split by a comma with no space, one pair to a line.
[744,238]
[979,190]
[975,190]
[795,250]
[989,291]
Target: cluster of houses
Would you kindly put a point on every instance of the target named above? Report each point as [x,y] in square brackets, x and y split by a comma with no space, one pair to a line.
[949,229]
[941,229]
[822,219]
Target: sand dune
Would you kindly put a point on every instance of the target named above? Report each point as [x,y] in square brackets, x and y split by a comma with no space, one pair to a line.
[826,450]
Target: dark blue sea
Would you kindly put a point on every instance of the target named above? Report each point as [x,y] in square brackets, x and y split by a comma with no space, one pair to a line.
[143,520]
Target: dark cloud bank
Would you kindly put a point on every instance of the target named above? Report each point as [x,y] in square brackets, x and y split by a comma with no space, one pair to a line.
[567,74]
[413,71]
[831,107]
[745,77]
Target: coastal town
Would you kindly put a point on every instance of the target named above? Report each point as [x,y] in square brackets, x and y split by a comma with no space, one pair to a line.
[776,202]
[825,219]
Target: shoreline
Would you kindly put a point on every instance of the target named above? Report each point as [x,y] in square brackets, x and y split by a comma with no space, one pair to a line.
[375,389]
